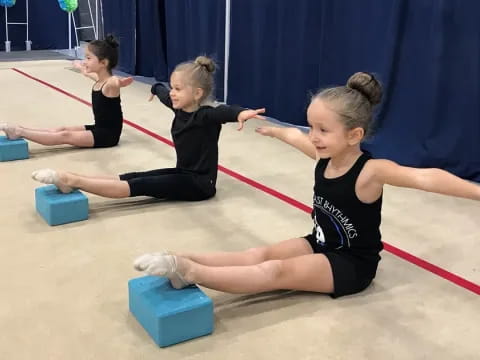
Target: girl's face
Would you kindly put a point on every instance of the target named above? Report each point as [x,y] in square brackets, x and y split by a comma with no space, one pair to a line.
[328,133]
[92,63]
[183,96]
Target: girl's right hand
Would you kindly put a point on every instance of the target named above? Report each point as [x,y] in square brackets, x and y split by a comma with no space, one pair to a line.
[265,130]
[77,64]
[151,97]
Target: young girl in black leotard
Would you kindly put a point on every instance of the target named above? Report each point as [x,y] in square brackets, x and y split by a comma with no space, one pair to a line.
[101,56]
[195,132]
[341,254]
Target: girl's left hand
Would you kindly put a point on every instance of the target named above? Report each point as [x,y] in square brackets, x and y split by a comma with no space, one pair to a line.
[125,81]
[249,114]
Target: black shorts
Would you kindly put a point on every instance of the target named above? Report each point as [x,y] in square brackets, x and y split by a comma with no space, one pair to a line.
[352,273]
[170,184]
[104,137]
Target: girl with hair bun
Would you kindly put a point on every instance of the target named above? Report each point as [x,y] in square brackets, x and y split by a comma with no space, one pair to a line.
[195,132]
[101,56]
[340,256]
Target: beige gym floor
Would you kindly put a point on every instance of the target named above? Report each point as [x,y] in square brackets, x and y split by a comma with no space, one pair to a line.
[64,289]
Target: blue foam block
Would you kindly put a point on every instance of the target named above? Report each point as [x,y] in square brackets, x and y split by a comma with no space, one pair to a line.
[58,208]
[169,315]
[13,149]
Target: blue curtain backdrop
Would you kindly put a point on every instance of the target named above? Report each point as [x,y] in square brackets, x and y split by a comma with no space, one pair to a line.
[150,57]
[426,52]
[196,28]
[119,19]
[155,35]
[48,25]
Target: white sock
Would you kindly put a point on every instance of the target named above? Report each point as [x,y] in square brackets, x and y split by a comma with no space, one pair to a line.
[12,132]
[142,262]
[161,264]
[50,176]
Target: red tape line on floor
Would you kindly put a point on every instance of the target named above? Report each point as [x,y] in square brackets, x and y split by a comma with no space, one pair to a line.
[447,275]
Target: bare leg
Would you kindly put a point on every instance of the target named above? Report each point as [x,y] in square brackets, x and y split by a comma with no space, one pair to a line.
[307,273]
[104,187]
[82,138]
[54,130]
[283,250]
[66,182]
[102,177]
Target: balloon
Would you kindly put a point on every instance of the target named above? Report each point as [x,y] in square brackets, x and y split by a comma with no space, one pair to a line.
[67,5]
[7,3]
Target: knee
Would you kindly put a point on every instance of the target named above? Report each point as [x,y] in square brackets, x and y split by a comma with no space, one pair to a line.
[272,270]
[64,135]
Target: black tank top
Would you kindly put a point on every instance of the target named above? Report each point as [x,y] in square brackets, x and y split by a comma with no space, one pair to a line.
[341,220]
[107,111]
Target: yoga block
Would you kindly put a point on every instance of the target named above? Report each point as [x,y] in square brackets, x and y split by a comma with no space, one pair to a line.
[13,149]
[169,315]
[58,208]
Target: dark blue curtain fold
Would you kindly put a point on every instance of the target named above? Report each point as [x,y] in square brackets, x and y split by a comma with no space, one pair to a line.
[119,17]
[196,28]
[274,55]
[158,35]
[150,39]
[425,52]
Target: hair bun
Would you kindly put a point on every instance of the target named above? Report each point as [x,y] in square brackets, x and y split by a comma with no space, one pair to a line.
[367,85]
[110,40]
[206,63]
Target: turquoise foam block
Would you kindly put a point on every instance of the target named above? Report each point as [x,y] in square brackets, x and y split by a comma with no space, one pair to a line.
[58,208]
[13,149]
[170,316]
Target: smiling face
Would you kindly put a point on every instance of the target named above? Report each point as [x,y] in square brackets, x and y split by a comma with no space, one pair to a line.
[183,96]
[328,133]
[92,63]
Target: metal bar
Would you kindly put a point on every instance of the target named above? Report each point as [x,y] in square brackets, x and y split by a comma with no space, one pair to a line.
[91,18]
[96,18]
[69,31]
[227,50]
[75,26]
[6,22]
[103,22]
[27,20]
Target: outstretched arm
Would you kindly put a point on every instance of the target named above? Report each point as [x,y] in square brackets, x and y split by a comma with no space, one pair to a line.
[122,81]
[232,113]
[292,136]
[249,114]
[113,85]
[77,64]
[163,94]
[432,180]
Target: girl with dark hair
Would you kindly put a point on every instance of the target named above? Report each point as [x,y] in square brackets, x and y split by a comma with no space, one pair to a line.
[101,56]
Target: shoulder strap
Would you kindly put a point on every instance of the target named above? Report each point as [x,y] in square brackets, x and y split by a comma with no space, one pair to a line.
[358,166]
